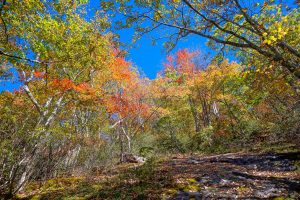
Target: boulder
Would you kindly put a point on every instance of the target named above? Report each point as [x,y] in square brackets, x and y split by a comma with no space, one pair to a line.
[130,158]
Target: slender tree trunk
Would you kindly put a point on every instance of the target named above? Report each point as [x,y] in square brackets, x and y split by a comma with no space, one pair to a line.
[128,139]
[122,153]
[195,114]
[71,158]
[205,113]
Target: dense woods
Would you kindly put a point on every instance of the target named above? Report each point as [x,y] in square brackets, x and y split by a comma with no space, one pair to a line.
[82,106]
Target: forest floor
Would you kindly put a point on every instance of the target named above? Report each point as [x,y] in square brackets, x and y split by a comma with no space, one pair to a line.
[181,177]
[239,176]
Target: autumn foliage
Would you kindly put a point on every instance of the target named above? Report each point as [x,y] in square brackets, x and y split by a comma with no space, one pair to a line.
[82,105]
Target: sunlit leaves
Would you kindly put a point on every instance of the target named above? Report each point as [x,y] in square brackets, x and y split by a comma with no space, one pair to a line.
[38,74]
[121,69]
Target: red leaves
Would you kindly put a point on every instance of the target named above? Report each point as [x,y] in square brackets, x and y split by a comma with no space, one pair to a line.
[182,62]
[179,80]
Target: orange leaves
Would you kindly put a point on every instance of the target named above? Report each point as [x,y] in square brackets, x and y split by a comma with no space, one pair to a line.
[127,105]
[120,69]
[116,104]
[67,85]
[121,62]
[130,101]
[38,74]
[63,84]
[18,102]
[84,88]
[123,90]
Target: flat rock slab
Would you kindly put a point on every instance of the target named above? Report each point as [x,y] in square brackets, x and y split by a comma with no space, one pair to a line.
[239,176]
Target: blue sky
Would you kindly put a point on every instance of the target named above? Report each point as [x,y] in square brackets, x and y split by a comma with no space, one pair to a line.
[146,57]
[149,58]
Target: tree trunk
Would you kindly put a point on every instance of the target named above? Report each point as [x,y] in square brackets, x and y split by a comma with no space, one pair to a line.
[128,140]
[205,113]
[195,114]
[122,153]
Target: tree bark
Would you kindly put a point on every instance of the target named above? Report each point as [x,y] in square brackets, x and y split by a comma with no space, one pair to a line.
[195,114]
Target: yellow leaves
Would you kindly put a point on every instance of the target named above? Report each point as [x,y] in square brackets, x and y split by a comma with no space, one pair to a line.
[176,1]
[276,32]
[245,74]
[214,10]
[192,181]
[171,191]
[270,39]
[265,34]
[238,17]
[281,32]
[189,185]
[244,9]
[157,16]
[163,111]
[284,18]
[263,73]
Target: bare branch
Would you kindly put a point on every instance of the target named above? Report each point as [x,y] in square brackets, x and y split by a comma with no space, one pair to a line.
[241,45]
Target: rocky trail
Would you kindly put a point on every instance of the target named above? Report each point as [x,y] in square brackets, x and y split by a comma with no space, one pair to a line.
[183,177]
[237,176]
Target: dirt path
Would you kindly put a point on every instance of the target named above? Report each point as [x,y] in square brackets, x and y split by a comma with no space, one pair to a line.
[237,176]
[227,176]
